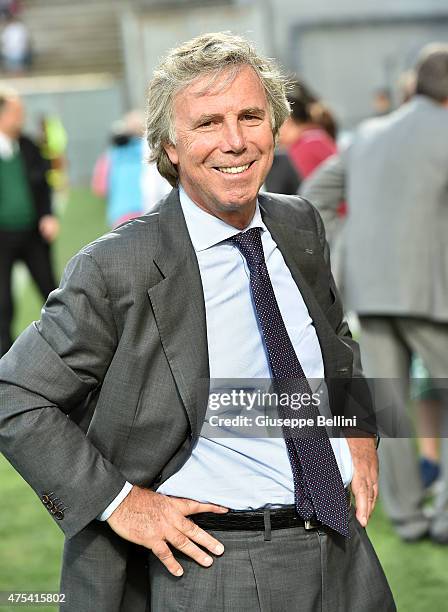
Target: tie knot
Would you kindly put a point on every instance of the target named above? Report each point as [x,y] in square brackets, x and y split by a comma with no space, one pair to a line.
[249,244]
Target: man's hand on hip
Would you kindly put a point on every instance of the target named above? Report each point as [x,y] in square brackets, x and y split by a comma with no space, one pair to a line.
[364,484]
[154,520]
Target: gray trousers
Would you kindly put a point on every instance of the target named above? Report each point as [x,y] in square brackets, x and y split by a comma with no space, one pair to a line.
[387,345]
[294,570]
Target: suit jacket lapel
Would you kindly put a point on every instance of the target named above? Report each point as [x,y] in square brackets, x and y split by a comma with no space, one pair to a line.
[177,301]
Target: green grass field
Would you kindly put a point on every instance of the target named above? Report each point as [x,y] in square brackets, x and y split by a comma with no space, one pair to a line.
[31,543]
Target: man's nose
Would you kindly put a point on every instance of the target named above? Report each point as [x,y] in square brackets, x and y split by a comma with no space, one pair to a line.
[233,140]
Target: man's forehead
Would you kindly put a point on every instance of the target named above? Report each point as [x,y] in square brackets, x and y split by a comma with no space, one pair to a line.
[219,81]
[214,86]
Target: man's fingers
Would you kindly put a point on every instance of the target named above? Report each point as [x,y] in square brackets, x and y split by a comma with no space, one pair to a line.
[365,477]
[180,541]
[374,496]
[163,552]
[375,492]
[365,498]
[369,508]
[198,535]
[190,506]
[362,505]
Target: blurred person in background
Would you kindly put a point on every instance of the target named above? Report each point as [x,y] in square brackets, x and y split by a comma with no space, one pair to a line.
[406,86]
[428,400]
[309,133]
[122,176]
[154,185]
[117,173]
[382,102]
[395,177]
[9,8]
[27,226]
[53,147]
[305,140]
[15,49]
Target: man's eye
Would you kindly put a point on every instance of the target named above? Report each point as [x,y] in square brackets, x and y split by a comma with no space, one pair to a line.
[207,124]
[251,118]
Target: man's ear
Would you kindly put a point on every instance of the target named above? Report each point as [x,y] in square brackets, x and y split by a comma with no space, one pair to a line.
[171,151]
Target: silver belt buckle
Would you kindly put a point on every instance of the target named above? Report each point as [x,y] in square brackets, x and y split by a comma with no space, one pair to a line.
[310,524]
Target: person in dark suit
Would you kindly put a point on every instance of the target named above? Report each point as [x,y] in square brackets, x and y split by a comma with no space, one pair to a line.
[26,223]
[283,178]
[102,403]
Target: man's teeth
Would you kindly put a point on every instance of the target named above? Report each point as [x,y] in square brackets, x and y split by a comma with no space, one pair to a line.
[234,169]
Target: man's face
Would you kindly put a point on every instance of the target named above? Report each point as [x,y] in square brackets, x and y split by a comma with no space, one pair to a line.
[12,117]
[224,145]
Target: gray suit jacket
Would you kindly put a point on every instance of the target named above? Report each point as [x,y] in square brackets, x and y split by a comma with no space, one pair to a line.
[395,179]
[104,387]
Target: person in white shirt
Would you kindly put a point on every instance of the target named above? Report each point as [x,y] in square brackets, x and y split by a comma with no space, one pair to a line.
[15,46]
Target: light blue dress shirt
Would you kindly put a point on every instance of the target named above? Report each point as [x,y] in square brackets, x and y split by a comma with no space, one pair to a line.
[243,472]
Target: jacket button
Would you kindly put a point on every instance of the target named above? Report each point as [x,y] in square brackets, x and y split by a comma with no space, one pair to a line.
[59,515]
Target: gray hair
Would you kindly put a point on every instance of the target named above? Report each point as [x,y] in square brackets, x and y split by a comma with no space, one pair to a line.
[432,72]
[208,54]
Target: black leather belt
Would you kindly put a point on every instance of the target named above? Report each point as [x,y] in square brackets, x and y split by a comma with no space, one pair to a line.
[256,520]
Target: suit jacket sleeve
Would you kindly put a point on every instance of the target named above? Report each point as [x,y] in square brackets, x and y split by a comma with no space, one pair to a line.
[36,170]
[50,370]
[326,189]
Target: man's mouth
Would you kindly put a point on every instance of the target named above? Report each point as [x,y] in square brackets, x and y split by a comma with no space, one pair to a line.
[233,169]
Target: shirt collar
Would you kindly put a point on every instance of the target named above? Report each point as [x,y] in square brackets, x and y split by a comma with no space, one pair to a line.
[206,230]
[8,147]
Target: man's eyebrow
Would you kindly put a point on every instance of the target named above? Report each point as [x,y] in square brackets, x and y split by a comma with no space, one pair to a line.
[206,118]
[253,110]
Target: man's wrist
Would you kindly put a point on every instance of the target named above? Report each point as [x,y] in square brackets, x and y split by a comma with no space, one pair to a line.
[357,432]
[116,502]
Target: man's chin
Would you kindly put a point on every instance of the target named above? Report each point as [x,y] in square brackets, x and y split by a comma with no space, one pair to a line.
[238,204]
[237,199]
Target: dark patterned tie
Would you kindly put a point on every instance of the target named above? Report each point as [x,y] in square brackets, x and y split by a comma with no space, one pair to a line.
[318,487]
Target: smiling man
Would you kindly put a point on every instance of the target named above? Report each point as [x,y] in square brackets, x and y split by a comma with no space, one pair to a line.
[101,404]
[224,143]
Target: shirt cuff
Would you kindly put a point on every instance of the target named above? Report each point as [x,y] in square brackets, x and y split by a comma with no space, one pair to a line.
[116,502]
